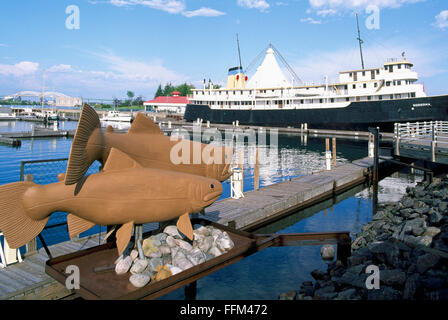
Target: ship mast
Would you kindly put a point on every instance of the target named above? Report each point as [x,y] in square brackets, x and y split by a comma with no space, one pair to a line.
[360,41]
[239,52]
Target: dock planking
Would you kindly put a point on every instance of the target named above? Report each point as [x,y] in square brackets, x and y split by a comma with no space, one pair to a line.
[28,280]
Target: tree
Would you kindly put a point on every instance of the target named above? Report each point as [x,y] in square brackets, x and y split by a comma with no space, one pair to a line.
[168,89]
[159,91]
[184,89]
[130,95]
[138,101]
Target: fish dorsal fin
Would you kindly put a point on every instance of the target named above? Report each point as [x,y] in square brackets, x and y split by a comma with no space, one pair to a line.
[77,225]
[118,160]
[143,124]
[184,226]
[124,236]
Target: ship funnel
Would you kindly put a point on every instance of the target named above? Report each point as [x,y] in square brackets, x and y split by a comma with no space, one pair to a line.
[236,79]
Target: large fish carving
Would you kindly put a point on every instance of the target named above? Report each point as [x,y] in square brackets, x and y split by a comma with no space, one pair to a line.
[146,144]
[123,193]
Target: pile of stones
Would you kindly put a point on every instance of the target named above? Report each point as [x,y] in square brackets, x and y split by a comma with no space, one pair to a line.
[407,241]
[168,253]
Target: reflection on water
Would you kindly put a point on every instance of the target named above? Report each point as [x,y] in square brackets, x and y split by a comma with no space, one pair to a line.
[116,125]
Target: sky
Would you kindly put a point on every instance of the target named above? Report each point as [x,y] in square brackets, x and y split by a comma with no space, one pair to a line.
[103,48]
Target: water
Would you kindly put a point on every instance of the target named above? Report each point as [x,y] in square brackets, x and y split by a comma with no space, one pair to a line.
[272,271]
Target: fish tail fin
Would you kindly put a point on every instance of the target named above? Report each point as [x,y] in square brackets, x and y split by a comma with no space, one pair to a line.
[83,154]
[17,227]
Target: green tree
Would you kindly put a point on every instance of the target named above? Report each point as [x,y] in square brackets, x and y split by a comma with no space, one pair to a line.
[130,95]
[159,92]
[184,89]
[169,88]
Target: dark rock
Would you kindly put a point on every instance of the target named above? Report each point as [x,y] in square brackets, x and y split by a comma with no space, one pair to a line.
[435,217]
[410,287]
[379,216]
[422,210]
[384,293]
[443,207]
[426,262]
[407,202]
[393,278]
[349,294]
[432,283]
[325,293]
[319,275]
[415,227]
[291,295]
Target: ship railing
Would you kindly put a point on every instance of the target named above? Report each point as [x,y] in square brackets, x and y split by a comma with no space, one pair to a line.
[432,134]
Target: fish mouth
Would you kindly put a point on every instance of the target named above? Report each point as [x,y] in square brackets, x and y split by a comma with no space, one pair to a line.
[212,196]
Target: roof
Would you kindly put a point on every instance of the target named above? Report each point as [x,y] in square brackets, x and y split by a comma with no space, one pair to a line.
[169,100]
[269,74]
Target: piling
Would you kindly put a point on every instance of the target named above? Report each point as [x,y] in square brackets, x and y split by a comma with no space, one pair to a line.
[334,152]
[256,172]
[327,154]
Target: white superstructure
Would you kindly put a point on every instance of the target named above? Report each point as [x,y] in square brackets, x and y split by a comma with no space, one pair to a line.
[270,89]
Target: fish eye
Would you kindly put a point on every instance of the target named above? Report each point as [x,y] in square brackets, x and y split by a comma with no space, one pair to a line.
[212,186]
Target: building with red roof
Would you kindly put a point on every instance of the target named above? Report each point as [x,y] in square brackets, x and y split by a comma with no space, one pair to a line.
[174,103]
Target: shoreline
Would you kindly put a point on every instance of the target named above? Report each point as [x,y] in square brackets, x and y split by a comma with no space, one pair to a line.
[407,241]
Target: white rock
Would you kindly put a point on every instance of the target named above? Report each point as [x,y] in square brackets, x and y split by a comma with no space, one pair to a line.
[171,241]
[327,252]
[172,231]
[134,254]
[223,242]
[196,256]
[174,270]
[157,254]
[139,266]
[216,232]
[140,280]
[154,263]
[123,265]
[165,249]
[202,231]
[184,245]
[205,244]
[215,251]
[181,261]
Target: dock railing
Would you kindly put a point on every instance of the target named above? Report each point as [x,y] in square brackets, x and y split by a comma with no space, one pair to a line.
[427,135]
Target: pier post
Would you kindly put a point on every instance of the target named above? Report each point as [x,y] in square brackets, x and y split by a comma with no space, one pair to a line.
[256,172]
[397,138]
[334,152]
[327,154]
[376,137]
[208,124]
[433,141]
[241,166]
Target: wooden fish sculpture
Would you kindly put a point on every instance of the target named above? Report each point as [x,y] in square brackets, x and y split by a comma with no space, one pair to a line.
[124,193]
[147,145]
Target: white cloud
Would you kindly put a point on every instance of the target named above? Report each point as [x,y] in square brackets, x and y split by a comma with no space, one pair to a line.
[326,12]
[19,69]
[358,4]
[203,12]
[3,45]
[261,5]
[310,20]
[170,6]
[60,68]
[442,19]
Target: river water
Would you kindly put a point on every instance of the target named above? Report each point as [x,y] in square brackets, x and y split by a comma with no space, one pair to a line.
[272,271]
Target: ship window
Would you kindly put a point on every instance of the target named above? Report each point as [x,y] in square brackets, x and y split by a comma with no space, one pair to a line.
[267,102]
[346,87]
[378,71]
[386,68]
[391,68]
[376,84]
[351,74]
[332,100]
[399,82]
[321,100]
[301,101]
[354,86]
[347,99]
[412,94]
[388,84]
[369,98]
[363,73]
[391,97]
[241,92]
[364,85]
[399,66]
[380,97]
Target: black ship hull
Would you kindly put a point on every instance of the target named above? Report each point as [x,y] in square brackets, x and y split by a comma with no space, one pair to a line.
[357,116]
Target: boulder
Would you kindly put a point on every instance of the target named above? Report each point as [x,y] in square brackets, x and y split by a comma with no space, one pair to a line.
[291,295]
[426,262]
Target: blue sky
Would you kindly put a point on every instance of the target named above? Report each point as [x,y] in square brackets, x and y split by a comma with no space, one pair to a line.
[136,44]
